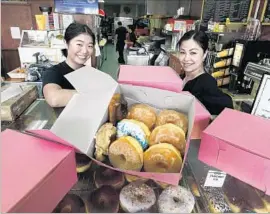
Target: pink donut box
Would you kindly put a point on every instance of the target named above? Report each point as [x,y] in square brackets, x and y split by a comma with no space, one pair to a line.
[163,77]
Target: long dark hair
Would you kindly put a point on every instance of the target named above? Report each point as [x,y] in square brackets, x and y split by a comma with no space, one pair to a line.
[75,29]
[198,36]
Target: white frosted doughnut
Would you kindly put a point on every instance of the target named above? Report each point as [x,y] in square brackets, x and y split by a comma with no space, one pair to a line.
[137,197]
[176,199]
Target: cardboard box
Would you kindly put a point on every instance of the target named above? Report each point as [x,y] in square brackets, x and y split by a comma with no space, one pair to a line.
[88,110]
[14,107]
[239,144]
[161,77]
[164,78]
[35,173]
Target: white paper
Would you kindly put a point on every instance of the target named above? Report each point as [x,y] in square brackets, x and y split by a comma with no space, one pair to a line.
[67,20]
[10,92]
[215,179]
[15,32]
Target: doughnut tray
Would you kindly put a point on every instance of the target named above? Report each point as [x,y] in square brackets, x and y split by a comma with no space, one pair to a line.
[86,185]
[233,196]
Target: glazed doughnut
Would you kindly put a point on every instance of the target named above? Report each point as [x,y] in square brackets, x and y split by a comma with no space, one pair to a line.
[71,203]
[176,199]
[137,197]
[132,178]
[171,134]
[162,158]
[126,153]
[174,117]
[83,162]
[105,135]
[143,113]
[105,176]
[117,109]
[135,129]
[103,200]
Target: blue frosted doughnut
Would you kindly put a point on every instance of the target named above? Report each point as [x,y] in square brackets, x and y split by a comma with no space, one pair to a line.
[128,128]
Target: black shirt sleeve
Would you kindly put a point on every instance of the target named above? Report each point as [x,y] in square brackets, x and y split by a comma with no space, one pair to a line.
[51,75]
[205,89]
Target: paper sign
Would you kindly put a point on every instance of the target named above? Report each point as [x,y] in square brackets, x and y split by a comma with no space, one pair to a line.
[15,32]
[215,179]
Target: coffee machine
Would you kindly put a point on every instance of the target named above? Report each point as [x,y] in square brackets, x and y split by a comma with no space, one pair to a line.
[245,52]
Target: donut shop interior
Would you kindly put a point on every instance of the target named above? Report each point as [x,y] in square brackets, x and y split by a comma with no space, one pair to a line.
[170,97]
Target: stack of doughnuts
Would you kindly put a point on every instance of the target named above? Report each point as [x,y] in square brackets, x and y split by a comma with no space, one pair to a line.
[140,138]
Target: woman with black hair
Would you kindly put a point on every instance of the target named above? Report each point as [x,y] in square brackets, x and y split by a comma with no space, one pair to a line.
[193,50]
[131,39]
[80,41]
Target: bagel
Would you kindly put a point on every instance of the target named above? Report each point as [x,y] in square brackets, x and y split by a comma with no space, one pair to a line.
[143,113]
[126,153]
[162,158]
[135,129]
[174,117]
[171,134]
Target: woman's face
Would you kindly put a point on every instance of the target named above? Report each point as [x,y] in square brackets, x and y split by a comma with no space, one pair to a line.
[191,56]
[80,49]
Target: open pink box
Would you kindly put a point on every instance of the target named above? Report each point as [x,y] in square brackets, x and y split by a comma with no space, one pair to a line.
[36,174]
[239,144]
[88,110]
[162,77]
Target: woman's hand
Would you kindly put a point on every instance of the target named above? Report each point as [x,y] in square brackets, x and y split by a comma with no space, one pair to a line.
[55,96]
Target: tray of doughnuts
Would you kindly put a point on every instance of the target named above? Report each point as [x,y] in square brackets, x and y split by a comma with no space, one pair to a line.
[103,190]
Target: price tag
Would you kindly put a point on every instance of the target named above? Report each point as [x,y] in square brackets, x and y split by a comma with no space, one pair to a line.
[215,179]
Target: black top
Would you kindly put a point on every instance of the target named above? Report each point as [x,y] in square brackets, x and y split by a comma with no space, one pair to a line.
[205,89]
[132,38]
[56,74]
[121,34]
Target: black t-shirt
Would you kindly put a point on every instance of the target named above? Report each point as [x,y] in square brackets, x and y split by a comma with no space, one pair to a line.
[205,89]
[121,33]
[56,74]
[132,38]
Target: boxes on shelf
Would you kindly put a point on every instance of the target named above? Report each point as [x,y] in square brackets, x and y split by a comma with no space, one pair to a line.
[15,98]
[238,143]
[36,174]
[88,110]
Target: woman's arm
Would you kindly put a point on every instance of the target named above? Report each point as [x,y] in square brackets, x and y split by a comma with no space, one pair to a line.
[55,96]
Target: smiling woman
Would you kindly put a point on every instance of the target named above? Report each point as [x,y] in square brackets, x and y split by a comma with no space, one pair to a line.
[80,41]
[193,50]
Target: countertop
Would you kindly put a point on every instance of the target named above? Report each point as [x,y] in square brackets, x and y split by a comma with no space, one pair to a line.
[39,115]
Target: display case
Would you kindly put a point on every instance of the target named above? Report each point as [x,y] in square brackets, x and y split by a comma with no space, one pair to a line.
[225,195]
[47,43]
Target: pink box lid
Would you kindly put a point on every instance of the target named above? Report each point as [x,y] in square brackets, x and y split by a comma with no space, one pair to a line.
[242,130]
[26,162]
[150,76]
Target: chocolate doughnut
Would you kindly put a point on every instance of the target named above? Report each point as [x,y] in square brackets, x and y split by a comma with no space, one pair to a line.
[137,197]
[83,162]
[242,197]
[106,176]
[265,198]
[71,203]
[176,199]
[103,200]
